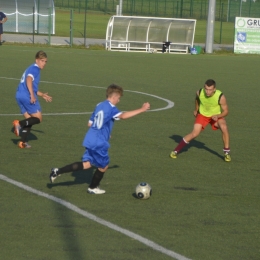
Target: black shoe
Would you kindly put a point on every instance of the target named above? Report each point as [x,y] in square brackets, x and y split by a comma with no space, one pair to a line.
[54,174]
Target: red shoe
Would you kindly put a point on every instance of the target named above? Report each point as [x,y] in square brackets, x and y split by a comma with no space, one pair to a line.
[23,145]
[17,127]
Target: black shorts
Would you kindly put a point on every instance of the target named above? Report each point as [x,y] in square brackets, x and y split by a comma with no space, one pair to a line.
[1,28]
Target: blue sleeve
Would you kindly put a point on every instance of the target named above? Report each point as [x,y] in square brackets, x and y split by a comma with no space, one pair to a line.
[34,71]
[115,112]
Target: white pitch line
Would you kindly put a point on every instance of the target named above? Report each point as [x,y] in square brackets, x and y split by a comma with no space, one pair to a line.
[101,221]
[170,103]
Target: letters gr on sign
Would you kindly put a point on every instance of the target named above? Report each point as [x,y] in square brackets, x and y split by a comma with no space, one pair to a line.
[253,22]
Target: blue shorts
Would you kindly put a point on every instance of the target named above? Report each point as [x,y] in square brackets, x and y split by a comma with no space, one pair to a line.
[98,158]
[26,106]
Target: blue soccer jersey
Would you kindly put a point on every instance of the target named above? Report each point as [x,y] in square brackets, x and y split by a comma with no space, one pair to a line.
[102,120]
[34,72]
[23,96]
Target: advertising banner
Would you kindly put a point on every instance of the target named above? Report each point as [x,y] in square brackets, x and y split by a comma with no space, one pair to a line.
[247,35]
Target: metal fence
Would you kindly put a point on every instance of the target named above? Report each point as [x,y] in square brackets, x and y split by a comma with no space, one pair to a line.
[196,9]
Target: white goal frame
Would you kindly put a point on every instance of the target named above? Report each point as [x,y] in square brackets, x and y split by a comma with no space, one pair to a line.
[148,34]
[29,16]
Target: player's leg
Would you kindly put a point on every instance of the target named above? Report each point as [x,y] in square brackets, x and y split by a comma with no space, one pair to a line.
[26,126]
[86,163]
[76,166]
[96,179]
[89,158]
[197,128]
[32,114]
[222,125]
[16,123]
[100,158]
[34,119]
[31,119]
[18,128]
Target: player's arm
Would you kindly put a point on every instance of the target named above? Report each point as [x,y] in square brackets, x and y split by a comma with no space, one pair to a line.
[4,20]
[91,120]
[224,108]
[44,96]
[132,113]
[29,84]
[197,103]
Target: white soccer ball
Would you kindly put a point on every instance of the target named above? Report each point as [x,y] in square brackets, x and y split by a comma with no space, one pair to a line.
[143,191]
[152,50]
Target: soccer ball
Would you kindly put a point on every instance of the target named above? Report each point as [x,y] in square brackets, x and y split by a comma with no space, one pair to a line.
[152,51]
[143,191]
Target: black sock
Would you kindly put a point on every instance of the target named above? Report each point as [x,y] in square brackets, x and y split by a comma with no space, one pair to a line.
[97,177]
[77,166]
[29,121]
[25,132]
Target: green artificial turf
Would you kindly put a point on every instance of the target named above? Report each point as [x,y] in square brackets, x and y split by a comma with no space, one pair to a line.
[201,207]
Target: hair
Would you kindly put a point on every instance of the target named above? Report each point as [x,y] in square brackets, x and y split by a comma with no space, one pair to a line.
[210,82]
[41,55]
[113,88]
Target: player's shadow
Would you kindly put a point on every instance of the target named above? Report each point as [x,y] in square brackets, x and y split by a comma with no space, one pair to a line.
[194,143]
[134,195]
[80,177]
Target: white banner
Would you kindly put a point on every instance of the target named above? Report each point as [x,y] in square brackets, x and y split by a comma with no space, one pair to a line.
[247,35]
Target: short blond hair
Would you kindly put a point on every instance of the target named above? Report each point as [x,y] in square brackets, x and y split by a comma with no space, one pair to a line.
[113,88]
[40,55]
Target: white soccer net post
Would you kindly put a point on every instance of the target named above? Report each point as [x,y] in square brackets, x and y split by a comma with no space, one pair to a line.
[149,34]
[21,18]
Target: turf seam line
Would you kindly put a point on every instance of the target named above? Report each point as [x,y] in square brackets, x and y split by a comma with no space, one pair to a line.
[101,221]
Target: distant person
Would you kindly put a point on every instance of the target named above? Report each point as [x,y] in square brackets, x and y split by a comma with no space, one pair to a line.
[96,140]
[210,108]
[26,97]
[3,19]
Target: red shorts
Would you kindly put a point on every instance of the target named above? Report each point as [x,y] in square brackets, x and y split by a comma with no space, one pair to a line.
[204,121]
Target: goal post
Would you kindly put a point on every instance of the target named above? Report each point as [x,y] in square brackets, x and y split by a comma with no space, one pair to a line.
[148,34]
[29,16]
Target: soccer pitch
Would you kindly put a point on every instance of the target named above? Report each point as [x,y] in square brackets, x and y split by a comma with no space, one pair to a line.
[201,207]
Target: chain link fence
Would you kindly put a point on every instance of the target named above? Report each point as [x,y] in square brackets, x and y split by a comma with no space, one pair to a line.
[196,9]
[226,11]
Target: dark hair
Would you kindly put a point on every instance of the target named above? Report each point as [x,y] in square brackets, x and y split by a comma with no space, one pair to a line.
[40,55]
[113,88]
[210,82]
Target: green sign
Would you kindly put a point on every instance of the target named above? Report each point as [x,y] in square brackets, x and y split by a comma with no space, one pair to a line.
[247,35]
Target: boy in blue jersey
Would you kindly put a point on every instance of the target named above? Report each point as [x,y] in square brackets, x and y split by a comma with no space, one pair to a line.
[96,140]
[26,97]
